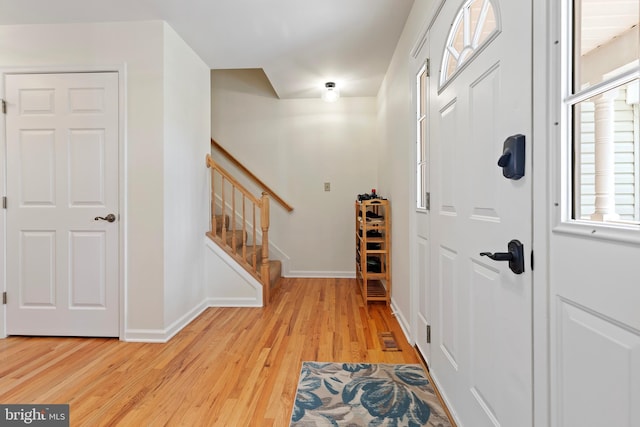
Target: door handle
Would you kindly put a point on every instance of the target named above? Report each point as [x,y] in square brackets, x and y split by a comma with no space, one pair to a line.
[515,256]
[109,218]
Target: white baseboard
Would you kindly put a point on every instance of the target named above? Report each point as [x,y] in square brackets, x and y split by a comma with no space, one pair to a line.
[233,302]
[145,335]
[320,274]
[404,325]
[164,335]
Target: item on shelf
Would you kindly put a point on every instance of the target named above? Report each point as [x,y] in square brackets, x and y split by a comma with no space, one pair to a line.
[373,265]
[369,196]
[371,233]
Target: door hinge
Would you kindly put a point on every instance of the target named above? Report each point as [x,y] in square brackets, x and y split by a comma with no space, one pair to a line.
[4,297]
[427,201]
[4,202]
[427,67]
[4,107]
[428,334]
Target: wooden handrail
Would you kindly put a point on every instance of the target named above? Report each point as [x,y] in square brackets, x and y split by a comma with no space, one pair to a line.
[246,171]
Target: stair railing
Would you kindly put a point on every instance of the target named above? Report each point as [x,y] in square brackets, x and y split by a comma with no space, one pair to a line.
[234,211]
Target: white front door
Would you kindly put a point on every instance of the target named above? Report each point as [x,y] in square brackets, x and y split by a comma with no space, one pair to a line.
[62,174]
[481,354]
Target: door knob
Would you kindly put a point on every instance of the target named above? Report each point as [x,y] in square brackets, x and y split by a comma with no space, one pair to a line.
[515,256]
[110,218]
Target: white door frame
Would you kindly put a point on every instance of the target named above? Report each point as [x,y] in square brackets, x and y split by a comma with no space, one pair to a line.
[417,57]
[121,69]
[544,84]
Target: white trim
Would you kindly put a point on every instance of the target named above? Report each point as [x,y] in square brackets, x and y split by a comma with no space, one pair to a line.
[636,149]
[121,69]
[145,335]
[233,302]
[544,86]
[609,231]
[321,274]
[124,197]
[164,335]
[3,212]
[422,36]
[604,86]
[402,321]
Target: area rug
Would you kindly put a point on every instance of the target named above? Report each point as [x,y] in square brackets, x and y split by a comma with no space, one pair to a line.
[363,394]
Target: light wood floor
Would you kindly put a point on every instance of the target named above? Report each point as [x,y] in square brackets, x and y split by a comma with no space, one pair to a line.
[230,367]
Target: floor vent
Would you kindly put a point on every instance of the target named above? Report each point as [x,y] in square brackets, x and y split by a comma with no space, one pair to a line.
[388,341]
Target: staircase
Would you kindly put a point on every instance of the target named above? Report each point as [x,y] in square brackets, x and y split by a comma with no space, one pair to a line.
[235,229]
[248,255]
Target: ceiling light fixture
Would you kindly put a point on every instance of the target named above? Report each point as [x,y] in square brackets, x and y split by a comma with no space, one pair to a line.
[331,92]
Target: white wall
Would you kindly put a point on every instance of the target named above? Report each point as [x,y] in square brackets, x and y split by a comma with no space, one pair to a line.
[294,146]
[186,191]
[166,118]
[396,124]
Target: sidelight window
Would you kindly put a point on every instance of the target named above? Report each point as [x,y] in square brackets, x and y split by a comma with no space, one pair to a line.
[602,107]
[421,139]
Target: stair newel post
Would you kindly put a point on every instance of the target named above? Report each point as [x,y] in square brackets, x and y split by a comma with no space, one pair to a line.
[264,268]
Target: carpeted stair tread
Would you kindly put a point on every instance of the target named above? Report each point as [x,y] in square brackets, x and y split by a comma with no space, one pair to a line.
[240,237]
[250,250]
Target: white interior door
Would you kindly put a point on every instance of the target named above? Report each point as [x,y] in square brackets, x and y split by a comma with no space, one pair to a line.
[62,173]
[481,355]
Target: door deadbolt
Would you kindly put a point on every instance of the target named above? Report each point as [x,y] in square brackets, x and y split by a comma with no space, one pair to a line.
[512,159]
[109,218]
[515,256]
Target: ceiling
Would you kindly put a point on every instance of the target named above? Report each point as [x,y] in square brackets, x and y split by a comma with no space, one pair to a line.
[603,20]
[299,44]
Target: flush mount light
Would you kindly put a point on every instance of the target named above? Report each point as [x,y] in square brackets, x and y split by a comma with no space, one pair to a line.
[331,92]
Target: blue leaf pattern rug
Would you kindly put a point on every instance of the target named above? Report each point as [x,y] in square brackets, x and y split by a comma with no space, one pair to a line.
[363,394]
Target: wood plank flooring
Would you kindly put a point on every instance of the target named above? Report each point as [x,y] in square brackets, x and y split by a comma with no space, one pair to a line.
[229,367]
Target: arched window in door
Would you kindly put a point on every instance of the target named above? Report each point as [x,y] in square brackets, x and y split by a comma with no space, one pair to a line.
[475,25]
